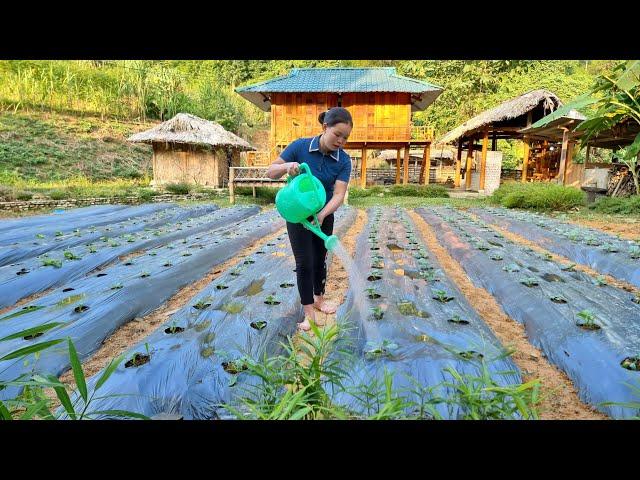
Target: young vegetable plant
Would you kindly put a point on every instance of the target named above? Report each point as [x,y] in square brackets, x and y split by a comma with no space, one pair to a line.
[384,349]
[50,262]
[271,300]
[378,313]
[372,294]
[442,296]
[530,281]
[587,320]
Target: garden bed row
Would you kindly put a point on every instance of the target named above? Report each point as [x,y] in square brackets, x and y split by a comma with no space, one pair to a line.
[408,319]
[191,365]
[90,309]
[56,268]
[589,329]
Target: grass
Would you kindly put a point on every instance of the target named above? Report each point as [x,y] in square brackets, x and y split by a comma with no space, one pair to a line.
[538,196]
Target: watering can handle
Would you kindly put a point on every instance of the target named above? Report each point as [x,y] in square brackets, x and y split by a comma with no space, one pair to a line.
[304,167]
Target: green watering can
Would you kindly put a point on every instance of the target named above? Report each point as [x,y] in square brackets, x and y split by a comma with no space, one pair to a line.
[304,196]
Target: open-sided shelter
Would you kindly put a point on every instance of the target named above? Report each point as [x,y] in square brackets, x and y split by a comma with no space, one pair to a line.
[190,149]
[504,121]
[380,101]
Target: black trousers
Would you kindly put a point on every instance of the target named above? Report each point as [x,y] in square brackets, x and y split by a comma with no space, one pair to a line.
[311,258]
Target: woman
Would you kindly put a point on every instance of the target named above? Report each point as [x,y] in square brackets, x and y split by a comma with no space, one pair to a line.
[332,166]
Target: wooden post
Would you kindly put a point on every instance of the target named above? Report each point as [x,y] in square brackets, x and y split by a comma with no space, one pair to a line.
[494,141]
[525,159]
[253,190]
[568,162]
[456,181]
[426,164]
[563,154]
[363,168]
[398,167]
[232,174]
[483,161]
[544,162]
[586,160]
[467,174]
[405,178]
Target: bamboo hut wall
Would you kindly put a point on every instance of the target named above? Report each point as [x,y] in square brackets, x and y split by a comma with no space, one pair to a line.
[173,164]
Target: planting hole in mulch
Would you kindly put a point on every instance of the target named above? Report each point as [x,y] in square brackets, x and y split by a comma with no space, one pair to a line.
[128,264]
[168,264]
[631,363]
[375,248]
[260,252]
[69,289]
[552,277]
[137,360]
[458,320]
[201,305]
[101,275]
[259,325]
[221,286]
[286,285]
[558,299]
[81,308]
[588,325]
[494,243]
[233,367]
[35,335]
[249,262]
[374,277]
[468,355]
[172,330]
[373,295]
[533,269]
[22,271]
[395,248]
[270,300]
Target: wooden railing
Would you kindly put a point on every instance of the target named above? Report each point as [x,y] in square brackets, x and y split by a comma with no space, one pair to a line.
[250,177]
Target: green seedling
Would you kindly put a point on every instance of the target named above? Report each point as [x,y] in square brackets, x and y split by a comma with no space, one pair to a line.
[378,313]
[259,325]
[114,244]
[568,268]
[145,275]
[374,275]
[39,235]
[610,248]
[201,305]
[116,286]
[372,294]
[70,255]
[587,320]
[442,296]
[92,249]
[496,256]
[634,252]
[601,281]
[530,281]
[382,350]
[50,262]
[631,363]
[636,299]
[59,234]
[558,299]
[271,300]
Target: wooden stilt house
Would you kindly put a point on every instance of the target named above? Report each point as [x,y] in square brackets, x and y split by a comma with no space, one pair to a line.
[504,121]
[380,101]
[189,149]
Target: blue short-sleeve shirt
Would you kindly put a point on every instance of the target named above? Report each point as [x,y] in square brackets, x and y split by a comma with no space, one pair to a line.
[326,168]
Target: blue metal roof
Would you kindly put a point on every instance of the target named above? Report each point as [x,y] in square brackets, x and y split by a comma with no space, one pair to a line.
[341,80]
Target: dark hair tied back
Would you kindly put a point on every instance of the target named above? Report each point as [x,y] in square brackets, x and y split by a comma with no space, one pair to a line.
[335,115]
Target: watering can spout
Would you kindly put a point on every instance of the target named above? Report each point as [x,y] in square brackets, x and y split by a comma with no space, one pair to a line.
[330,241]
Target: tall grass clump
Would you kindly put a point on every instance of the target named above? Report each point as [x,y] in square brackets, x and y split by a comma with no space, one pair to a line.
[538,196]
[617,205]
[426,191]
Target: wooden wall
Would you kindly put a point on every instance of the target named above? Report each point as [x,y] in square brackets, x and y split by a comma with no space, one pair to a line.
[376,116]
[175,164]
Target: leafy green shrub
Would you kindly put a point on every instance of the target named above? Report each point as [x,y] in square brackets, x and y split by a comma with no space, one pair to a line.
[181,188]
[58,194]
[538,196]
[24,195]
[146,194]
[7,194]
[427,191]
[357,192]
[267,193]
[625,206]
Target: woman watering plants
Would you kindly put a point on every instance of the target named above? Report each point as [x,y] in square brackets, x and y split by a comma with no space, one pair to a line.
[332,166]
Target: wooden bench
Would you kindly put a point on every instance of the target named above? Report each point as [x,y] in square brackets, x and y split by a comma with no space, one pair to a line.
[250,177]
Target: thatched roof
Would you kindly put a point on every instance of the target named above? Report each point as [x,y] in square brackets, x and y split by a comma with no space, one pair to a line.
[187,128]
[508,110]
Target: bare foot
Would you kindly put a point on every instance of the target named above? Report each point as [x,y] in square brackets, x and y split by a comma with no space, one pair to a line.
[305,326]
[325,307]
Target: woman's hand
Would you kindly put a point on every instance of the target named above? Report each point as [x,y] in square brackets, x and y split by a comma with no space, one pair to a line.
[293,168]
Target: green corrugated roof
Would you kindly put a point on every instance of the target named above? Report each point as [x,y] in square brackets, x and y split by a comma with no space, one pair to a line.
[342,80]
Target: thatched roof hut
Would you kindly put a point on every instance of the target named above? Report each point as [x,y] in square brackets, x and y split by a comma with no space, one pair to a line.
[537,102]
[185,128]
[190,149]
